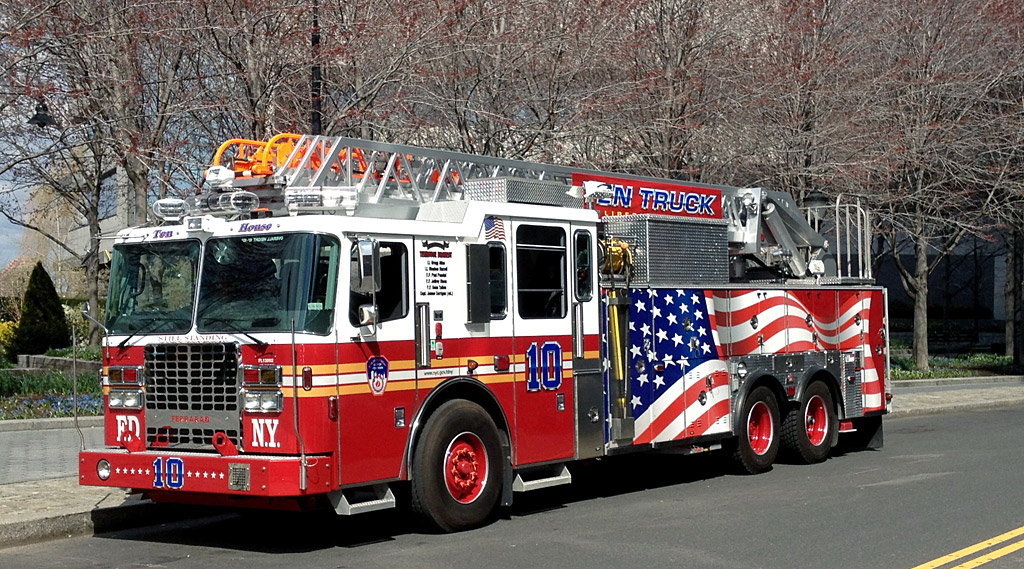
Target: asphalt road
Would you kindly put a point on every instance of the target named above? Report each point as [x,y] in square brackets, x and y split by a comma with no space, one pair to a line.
[942,483]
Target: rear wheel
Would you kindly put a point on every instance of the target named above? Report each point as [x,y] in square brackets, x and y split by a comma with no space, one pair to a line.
[810,428]
[457,468]
[757,442]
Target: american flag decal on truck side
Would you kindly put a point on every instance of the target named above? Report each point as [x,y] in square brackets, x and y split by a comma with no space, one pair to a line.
[680,341]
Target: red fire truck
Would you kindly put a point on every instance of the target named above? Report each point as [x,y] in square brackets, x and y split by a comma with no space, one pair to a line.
[332,319]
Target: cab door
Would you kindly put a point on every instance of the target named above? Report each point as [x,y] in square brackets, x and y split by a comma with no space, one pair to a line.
[588,382]
[378,376]
[543,326]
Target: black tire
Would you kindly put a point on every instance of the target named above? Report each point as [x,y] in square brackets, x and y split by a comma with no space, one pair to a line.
[453,487]
[804,436]
[757,434]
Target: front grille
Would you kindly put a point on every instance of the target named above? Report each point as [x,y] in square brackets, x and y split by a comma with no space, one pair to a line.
[192,378]
[191,394]
[183,436]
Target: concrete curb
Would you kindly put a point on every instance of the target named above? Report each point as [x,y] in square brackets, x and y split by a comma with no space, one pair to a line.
[976,380]
[133,513]
[955,408]
[53,423]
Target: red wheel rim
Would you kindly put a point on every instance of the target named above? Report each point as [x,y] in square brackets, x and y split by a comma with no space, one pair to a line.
[816,420]
[759,428]
[465,468]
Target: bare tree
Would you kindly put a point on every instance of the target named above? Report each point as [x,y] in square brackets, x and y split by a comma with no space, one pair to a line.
[110,74]
[939,154]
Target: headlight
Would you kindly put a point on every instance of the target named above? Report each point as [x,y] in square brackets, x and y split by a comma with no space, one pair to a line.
[125,399]
[103,469]
[263,401]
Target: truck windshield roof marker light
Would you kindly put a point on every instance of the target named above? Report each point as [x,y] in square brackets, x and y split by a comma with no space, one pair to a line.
[223,204]
[170,209]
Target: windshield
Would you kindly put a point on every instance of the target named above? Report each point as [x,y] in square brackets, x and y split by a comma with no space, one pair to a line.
[152,287]
[261,283]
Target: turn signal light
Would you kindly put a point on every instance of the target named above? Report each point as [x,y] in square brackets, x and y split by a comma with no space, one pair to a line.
[261,374]
[119,375]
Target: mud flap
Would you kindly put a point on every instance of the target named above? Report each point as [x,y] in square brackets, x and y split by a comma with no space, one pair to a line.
[867,436]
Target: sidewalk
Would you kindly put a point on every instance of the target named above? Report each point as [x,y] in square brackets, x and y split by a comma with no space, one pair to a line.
[40,498]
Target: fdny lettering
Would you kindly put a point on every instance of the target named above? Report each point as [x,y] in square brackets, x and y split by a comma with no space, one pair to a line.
[264,433]
[127,424]
[250,227]
[162,234]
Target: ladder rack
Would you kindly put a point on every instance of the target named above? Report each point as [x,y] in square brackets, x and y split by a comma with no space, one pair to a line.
[306,173]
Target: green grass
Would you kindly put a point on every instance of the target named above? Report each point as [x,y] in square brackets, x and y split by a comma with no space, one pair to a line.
[964,365]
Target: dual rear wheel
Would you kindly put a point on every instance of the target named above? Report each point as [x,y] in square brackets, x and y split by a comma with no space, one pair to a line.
[807,432]
[809,429]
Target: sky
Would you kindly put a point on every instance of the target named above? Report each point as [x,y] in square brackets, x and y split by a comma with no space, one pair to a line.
[10,239]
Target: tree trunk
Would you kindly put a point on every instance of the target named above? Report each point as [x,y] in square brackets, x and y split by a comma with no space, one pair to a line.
[920,347]
[92,270]
[1010,292]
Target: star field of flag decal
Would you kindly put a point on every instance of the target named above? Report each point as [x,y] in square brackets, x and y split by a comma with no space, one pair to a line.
[679,385]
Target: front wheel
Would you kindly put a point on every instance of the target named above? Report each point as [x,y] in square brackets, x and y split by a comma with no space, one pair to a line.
[757,441]
[809,429]
[457,468]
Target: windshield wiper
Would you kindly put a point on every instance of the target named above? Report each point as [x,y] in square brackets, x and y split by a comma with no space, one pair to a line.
[147,327]
[234,328]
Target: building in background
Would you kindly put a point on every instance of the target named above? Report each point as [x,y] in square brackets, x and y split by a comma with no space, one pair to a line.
[63,252]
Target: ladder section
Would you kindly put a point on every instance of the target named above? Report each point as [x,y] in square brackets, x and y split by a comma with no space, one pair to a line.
[307,173]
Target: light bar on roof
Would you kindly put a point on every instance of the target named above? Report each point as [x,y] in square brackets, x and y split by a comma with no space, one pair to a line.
[170,209]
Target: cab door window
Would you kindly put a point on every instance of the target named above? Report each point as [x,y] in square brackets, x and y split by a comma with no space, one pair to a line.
[540,271]
[393,296]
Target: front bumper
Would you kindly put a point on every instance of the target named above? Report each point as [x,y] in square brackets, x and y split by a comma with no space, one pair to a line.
[239,475]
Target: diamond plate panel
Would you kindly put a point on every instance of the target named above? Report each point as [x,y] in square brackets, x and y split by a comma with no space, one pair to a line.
[518,190]
[851,382]
[671,251]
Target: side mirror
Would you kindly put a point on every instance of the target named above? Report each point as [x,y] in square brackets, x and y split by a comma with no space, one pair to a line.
[85,313]
[367,315]
[365,276]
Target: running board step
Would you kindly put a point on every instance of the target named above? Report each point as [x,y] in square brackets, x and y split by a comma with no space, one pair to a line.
[522,485]
[362,500]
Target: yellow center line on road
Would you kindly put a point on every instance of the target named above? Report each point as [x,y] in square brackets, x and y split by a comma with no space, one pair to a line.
[979,561]
[945,559]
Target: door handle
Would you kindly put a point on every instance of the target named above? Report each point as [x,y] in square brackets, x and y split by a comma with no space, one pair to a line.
[422,334]
[577,330]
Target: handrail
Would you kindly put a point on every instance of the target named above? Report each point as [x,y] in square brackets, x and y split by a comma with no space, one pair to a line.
[258,157]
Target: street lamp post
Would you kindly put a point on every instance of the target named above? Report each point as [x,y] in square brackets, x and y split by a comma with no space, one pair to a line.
[315,123]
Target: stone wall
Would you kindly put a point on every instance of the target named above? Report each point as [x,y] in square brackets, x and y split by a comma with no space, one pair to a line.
[63,364]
